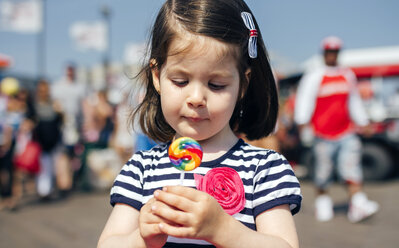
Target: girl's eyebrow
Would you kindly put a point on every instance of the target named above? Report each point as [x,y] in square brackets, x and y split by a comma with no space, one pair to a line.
[178,69]
[217,73]
[222,73]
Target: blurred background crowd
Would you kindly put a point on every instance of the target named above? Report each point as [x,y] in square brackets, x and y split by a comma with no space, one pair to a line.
[62,136]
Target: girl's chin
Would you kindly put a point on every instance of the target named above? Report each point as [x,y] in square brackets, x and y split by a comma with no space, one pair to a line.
[194,134]
[197,137]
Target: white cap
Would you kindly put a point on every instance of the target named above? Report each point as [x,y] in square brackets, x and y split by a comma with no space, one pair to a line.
[331,43]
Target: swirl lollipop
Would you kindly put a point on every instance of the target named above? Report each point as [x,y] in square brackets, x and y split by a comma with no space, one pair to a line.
[185,154]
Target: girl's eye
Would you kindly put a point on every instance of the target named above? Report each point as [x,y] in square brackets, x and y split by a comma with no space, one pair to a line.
[214,86]
[180,83]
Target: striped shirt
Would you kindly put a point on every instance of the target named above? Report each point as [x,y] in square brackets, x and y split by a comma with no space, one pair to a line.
[268,179]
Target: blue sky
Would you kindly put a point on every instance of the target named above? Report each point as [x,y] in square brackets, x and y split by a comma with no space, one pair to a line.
[292,29]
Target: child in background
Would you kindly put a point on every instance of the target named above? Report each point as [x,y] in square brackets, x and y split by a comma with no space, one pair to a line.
[208,77]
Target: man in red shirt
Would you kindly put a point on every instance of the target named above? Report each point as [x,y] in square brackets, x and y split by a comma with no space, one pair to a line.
[327,101]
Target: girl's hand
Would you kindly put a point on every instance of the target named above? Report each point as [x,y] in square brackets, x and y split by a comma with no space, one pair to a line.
[195,214]
[149,226]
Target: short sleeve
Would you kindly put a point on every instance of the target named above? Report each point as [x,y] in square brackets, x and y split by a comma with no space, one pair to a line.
[275,184]
[128,185]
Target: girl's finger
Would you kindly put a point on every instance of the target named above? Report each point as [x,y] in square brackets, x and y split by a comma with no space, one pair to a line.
[147,215]
[171,215]
[176,231]
[151,229]
[178,201]
[151,218]
[187,192]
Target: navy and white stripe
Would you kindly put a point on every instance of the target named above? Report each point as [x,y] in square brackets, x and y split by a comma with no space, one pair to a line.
[267,176]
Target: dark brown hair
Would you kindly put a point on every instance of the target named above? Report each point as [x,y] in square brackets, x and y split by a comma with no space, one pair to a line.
[220,20]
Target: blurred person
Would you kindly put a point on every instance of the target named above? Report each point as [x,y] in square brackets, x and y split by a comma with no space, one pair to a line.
[25,101]
[48,133]
[97,118]
[287,132]
[8,125]
[97,129]
[123,138]
[16,113]
[68,94]
[6,167]
[26,160]
[328,101]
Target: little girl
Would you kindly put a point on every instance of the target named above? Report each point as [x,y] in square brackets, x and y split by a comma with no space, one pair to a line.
[208,77]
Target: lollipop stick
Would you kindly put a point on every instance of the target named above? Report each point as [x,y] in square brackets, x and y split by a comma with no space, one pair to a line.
[181,178]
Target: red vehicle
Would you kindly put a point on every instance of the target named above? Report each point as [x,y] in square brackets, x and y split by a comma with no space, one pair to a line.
[377,70]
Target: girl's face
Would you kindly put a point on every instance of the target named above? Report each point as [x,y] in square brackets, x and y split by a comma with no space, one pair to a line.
[199,88]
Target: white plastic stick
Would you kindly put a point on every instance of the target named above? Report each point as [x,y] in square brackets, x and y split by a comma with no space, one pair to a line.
[181,178]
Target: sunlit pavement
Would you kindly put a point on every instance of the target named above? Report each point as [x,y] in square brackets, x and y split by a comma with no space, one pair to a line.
[78,220]
[380,230]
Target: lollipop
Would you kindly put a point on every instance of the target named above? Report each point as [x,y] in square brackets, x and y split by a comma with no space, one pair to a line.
[185,154]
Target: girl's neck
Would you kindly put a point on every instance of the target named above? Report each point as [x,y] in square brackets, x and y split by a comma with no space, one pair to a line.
[215,147]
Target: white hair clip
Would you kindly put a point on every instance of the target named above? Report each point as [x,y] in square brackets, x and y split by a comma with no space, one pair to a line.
[253,34]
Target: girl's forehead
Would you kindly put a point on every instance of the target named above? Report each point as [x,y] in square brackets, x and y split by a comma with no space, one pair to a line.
[198,45]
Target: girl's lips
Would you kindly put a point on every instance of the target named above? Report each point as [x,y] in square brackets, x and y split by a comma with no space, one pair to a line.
[194,119]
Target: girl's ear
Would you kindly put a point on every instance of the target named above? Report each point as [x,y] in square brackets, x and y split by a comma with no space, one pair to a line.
[248,74]
[248,78]
[155,75]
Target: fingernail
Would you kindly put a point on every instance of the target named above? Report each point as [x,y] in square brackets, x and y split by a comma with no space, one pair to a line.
[165,189]
[153,207]
[160,225]
[156,193]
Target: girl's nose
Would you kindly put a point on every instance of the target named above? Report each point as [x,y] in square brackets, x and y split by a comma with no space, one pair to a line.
[196,96]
